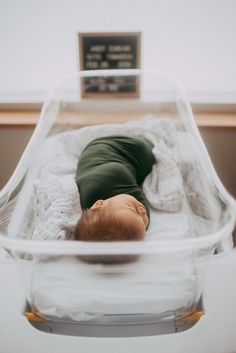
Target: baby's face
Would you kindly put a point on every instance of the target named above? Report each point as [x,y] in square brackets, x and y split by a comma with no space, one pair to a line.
[127,208]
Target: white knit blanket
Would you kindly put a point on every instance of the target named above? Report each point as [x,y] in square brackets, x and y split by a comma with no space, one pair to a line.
[50,196]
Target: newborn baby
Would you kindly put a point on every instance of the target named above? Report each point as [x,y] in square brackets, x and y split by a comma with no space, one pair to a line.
[109,177]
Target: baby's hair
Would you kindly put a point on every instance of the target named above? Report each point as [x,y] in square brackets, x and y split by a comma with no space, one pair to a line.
[104,225]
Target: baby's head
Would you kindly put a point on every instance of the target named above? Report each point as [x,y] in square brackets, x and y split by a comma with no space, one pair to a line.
[118,218]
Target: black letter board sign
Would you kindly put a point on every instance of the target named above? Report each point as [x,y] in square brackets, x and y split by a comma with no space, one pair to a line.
[105,51]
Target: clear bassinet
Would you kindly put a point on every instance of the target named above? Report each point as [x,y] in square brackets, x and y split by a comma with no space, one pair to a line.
[161,291]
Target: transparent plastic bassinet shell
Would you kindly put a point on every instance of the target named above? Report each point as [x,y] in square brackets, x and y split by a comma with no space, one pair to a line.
[158,279]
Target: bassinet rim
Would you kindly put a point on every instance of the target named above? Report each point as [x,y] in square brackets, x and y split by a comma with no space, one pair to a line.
[73,247]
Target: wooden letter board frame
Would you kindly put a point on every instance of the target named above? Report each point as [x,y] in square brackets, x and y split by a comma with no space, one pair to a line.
[110,51]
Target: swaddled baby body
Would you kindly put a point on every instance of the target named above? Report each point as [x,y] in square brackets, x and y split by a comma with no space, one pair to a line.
[109,176]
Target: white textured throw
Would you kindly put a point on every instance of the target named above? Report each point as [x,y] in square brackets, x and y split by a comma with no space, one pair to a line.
[57,194]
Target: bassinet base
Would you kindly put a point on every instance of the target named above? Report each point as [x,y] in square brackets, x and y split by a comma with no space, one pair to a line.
[133,325]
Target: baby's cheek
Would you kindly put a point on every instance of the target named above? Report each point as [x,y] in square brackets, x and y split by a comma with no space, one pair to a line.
[142,232]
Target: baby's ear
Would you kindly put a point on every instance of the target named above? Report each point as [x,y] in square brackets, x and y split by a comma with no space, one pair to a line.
[69,230]
[97,205]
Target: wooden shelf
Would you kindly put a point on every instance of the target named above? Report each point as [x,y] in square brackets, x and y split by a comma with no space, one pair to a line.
[19,118]
[215,120]
[30,119]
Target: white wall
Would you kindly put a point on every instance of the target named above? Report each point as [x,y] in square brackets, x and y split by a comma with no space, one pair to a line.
[194,39]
